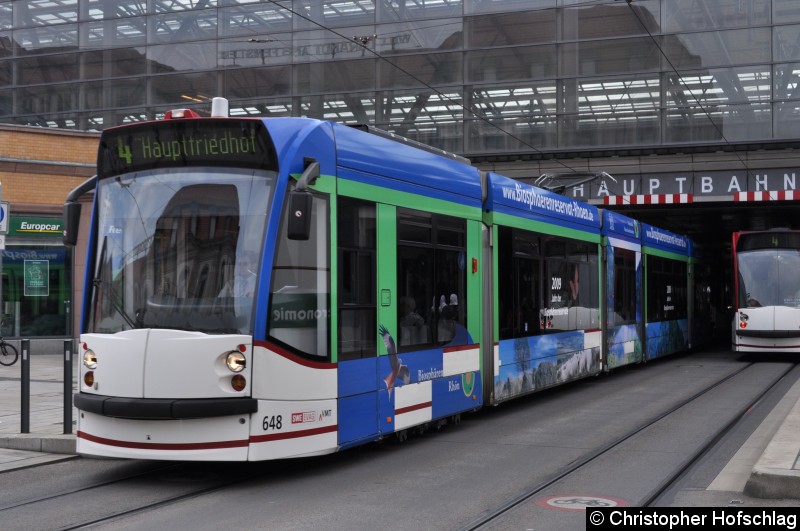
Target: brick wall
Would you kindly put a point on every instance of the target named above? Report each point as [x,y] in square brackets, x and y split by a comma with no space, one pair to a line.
[39,166]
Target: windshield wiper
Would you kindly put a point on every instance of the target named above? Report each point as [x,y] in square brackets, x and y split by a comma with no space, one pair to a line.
[113,299]
[97,282]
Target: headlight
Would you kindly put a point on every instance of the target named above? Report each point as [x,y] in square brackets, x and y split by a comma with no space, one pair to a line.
[90,359]
[236,361]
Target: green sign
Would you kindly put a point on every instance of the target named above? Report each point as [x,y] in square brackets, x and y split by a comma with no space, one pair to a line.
[239,143]
[38,227]
[37,278]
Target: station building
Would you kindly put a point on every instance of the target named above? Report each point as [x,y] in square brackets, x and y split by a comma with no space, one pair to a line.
[682,113]
[38,168]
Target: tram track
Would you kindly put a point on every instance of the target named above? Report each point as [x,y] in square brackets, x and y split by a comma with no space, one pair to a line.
[129,496]
[189,480]
[486,520]
[653,497]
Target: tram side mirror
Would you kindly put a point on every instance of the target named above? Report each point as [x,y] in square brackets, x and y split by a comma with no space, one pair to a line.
[300,201]
[69,223]
[299,226]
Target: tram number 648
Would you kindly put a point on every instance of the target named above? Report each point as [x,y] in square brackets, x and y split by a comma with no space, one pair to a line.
[272,422]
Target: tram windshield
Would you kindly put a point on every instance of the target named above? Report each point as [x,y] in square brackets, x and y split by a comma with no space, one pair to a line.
[179,248]
[769,277]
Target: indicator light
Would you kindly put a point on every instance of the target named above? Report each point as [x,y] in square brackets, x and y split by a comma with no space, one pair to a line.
[238,382]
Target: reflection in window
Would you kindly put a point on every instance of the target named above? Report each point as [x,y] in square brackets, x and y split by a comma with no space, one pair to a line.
[250,21]
[416,37]
[45,38]
[421,70]
[786,10]
[158,264]
[114,32]
[183,88]
[721,48]
[472,7]
[183,26]
[299,306]
[694,15]
[598,79]
[395,10]
[431,280]
[510,64]
[510,29]
[357,239]
[36,291]
[624,286]
[106,9]
[667,289]
[45,12]
[342,76]
[334,13]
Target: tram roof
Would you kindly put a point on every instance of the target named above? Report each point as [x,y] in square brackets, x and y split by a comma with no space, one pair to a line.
[386,162]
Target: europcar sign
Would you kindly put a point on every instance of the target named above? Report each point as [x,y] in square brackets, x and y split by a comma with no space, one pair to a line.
[37,227]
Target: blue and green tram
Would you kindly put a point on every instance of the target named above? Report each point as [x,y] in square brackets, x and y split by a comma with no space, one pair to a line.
[271,288]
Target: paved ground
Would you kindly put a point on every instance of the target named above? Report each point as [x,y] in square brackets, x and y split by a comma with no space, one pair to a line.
[770,460]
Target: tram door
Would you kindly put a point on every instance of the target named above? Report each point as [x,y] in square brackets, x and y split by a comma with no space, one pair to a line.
[357,329]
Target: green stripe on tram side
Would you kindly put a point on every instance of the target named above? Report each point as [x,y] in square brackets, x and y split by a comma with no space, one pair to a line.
[475,299]
[664,254]
[386,229]
[379,194]
[495,283]
[541,227]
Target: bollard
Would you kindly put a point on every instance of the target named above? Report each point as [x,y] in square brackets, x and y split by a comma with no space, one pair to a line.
[67,386]
[25,387]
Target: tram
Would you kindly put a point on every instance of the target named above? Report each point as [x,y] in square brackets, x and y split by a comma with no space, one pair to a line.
[766,266]
[273,288]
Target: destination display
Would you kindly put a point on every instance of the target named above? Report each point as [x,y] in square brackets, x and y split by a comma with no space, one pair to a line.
[189,142]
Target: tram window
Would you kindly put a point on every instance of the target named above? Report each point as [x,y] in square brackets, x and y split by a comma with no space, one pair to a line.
[549,291]
[431,279]
[451,232]
[667,297]
[357,279]
[299,307]
[526,245]
[417,307]
[519,283]
[624,286]
[414,227]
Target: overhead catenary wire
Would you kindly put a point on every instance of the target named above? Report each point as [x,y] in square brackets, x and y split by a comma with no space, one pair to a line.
[364,43]
[445,97]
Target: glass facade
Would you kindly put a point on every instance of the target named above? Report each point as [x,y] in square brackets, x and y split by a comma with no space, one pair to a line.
[477,77]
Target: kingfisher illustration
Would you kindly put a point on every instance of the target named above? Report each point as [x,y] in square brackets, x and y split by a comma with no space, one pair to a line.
[398,369]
